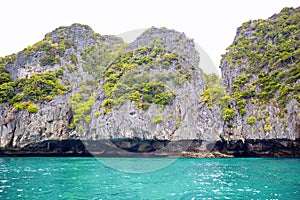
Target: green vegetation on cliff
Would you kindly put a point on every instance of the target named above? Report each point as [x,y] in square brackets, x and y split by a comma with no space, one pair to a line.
[215,94]
[51,51]
[157,119]
[140,76]
[37,88]
[81,107]
[266,57]
[273,42]
[98,57]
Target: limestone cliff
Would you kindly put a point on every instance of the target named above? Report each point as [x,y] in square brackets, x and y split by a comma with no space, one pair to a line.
[260,72]
[76,84]
[93,87]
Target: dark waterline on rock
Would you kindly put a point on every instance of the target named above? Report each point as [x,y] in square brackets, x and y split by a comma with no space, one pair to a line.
[128,147]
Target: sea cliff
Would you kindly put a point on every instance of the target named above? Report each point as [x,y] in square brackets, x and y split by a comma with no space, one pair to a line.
[80,93]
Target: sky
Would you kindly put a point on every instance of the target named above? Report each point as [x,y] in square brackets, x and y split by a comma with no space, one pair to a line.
[211,23]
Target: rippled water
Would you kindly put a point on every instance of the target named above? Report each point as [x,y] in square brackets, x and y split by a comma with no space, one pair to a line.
[87,178]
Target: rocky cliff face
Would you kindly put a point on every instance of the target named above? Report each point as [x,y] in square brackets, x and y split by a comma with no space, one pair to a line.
[77,84]
[162,60]
[149,89]
[61,52]
[260,71]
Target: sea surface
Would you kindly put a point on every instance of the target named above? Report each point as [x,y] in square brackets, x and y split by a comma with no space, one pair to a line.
[163,178]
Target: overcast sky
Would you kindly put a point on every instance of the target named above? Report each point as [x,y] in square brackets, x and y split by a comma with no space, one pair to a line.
[211,23]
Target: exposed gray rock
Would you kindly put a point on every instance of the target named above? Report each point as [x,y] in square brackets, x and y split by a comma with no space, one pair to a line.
[272,120]
[186,117]
[50,122]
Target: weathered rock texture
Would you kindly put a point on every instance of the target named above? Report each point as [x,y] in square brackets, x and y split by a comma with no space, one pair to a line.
[185,117]
[257,71]
[82,113]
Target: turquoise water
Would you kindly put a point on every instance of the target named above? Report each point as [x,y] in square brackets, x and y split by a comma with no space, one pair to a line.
[87,178]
